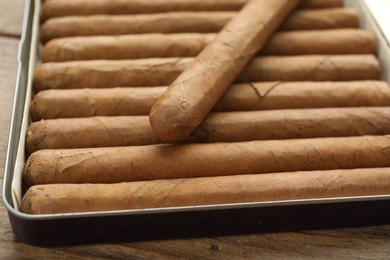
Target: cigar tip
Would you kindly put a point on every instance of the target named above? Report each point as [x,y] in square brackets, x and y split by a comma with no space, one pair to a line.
[38,80]
[49,51]
[37,200]
[35,138]
[27,201]
[170,123]
[38,168]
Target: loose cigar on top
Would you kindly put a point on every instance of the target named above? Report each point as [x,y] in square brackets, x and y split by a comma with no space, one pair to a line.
[68,103]
[150,162]
[190,98]
[217,127]
[181,22]
[163,71]
[59,8]
[70,198]
[336,41]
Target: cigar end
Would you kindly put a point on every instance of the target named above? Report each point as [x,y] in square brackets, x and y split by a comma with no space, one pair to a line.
[39,77]
[44,34]
[35,137]
[170,123]
[39,168]
[28,201]
[49,51]
[39,200]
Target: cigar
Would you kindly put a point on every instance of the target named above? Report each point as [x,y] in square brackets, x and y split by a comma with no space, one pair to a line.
[190,98]
[65,103]
[217,127]
[59,8]
[172,22]
[336,41]
[51,9]
[182,22]
[70,103]
[163,71]
[321,19]
[70,198]
[136,46]
[151,162]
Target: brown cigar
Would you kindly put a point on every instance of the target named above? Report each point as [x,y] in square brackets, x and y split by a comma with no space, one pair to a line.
[321,19]
[150,162]
[190,98]
[58,8]
[163,71]
[136,46]
[173,22]
[180,22]
[217,127]
[337,41]
[67,103]
[51,9]
[69,198]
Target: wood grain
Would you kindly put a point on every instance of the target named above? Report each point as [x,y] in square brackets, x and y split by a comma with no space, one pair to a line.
[366,242]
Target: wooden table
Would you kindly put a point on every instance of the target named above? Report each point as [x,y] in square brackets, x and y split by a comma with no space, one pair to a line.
[364,242]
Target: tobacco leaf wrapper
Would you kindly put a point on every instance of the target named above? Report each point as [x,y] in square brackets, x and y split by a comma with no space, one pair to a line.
[66,198]
[179,22]
[164,71]
[65,103]
[138,163]
[193,94]
[52,9]
[337,41]
[217,127]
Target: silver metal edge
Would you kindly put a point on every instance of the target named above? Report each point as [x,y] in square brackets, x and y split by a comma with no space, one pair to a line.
[248,205]
[22,215]
[18,108]
[383,42]
[369,23]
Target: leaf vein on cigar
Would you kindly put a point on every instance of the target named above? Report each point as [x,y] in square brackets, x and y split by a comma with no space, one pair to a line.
[54,173]
[319,154]
[70,167]
[41,139]
[257,91]
[330,61]
[315,68]
[212,194]
[139,162]
[63,135]
[132,199]
[371,150]
[244,190]
[376,113]
[118,104]
[367,120]
[327,185]
[98,119]
[279,157]
[172,190]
